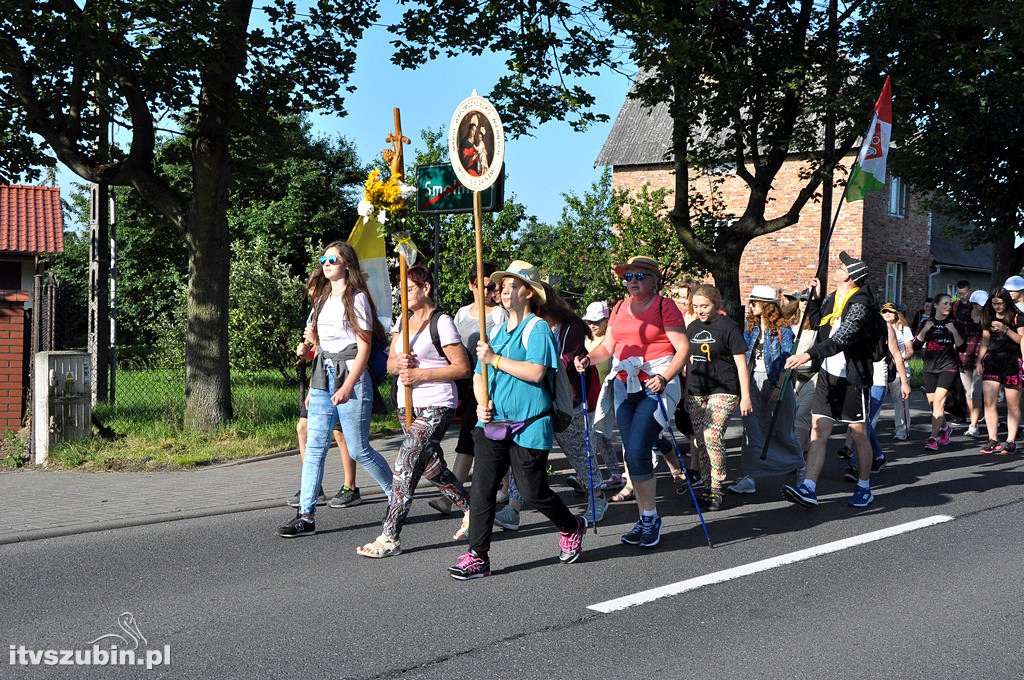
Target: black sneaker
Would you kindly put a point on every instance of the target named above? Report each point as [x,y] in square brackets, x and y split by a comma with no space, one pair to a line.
[346,498]
[294,500]
[844,452]
[1009,448]
[878,463]
[470,566]
[574,483]
[302,525]
[711,499]
[851,473]
[992,447]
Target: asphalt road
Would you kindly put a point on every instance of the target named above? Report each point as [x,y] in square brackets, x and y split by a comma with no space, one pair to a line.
[230,599]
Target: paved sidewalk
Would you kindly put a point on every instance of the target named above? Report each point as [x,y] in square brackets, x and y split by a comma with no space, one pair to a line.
[42,504]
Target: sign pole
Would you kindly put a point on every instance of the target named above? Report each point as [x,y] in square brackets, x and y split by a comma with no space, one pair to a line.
[398,170]
[477,210]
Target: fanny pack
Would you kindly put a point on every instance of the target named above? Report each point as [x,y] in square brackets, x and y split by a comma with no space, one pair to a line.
[502,430]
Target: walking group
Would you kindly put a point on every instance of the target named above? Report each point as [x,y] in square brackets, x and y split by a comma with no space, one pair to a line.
[645,367]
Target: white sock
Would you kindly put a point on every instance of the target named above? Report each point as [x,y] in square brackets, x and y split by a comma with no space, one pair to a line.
[864,484]
[811,484]
[650,514]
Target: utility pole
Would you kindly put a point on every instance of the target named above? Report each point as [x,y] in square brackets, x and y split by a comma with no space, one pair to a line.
[99,266]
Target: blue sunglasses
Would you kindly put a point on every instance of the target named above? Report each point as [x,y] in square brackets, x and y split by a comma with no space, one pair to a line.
[329,259]
[639,276]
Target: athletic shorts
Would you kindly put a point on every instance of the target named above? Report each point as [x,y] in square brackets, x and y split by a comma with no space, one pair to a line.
[945,380]
[835,398]
[1003,369]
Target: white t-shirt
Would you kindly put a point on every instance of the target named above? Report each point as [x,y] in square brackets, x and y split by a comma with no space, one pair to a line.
[432,392]
[469,325]
[333,328]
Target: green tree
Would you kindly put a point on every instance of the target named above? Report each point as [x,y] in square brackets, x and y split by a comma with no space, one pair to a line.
[65,66]
[958,72]
[746,84]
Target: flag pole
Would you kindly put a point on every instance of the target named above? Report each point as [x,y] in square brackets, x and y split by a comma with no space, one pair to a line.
[398,170]
[477,211]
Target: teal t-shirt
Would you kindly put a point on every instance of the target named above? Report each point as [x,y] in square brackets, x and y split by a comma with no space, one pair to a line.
[516,399]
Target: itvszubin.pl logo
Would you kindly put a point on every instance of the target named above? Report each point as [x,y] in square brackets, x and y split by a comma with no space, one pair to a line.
[125,648]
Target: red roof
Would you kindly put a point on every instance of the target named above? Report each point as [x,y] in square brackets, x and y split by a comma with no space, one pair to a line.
[30,220]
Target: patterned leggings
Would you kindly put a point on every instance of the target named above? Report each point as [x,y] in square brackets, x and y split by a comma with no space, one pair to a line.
[710,415]
[421,455]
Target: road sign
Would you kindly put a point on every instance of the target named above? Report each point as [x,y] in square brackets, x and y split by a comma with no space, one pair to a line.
[439,191]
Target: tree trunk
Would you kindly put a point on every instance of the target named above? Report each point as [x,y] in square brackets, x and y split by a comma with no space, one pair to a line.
[725,268]
[1007,259]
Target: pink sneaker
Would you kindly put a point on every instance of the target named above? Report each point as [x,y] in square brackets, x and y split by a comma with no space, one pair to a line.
[945,434]
[932,444]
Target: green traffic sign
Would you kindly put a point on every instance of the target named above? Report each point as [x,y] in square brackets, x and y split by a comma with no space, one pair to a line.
[439,191]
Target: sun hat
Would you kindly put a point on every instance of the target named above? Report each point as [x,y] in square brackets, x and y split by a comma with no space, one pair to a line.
[525,272]
[979,297]
[763,293]
[1014,284]
[855,268]
[638,262]
[596,311]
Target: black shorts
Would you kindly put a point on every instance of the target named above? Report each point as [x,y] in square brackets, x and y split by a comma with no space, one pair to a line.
[1003,369]
[945,380]
[835,398]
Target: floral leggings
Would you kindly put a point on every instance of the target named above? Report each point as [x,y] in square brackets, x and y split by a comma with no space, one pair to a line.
[710,415]
[421,455]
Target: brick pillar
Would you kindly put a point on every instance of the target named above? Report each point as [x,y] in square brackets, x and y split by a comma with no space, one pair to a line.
[12,358]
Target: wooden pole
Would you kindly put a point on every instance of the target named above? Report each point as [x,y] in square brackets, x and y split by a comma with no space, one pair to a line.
[477,210]
[398,170]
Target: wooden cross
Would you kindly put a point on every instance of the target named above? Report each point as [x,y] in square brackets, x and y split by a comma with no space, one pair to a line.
[394,156]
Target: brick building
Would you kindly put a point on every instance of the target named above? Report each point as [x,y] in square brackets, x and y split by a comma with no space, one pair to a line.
[31,223]
[886,229]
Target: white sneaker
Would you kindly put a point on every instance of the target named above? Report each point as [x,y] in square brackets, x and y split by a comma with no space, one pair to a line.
[744,485]
[972,432]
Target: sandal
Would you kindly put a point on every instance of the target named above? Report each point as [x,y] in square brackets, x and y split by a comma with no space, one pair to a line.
[679,481]
[382,546]
[625,495]
[463,531]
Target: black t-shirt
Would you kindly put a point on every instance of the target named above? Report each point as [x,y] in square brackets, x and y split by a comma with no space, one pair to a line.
[998,343]
[712,346]
[939,348]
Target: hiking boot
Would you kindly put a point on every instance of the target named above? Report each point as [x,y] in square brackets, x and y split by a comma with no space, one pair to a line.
[1009,448]
[595,512]
[744,485]
[470,566]
[571,544]
[992,447]
[508,518]
[347,497]
[944,436]
[801,495]
[711,499]
[302,525]
[862,498]
[651,532]
[294,500]
[851,473]
[932,444]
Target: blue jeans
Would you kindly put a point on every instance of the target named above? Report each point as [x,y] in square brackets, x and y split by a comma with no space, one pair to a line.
[354,416]
[634,414]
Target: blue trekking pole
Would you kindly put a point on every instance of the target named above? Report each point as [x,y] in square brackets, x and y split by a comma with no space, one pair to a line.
[590,459]
[675,445]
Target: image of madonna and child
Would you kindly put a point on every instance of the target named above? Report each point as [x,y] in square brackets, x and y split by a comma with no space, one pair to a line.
[515,427]
[342,325]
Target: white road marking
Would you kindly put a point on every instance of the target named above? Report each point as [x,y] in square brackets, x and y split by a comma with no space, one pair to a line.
[763,565]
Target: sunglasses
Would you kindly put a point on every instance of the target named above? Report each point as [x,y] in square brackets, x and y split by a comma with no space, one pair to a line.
[639,276]
[490,287]
[329,259]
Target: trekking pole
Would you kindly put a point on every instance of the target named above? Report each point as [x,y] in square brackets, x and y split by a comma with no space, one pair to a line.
[906,419]
[689,485]
[590,458]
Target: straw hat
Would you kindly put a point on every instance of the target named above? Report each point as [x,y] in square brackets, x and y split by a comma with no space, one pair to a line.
[525,272]
[638,262]
[764,294]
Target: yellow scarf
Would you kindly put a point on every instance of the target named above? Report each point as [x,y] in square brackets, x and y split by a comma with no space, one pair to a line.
[837,307]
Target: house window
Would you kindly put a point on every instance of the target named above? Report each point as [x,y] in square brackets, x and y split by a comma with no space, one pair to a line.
[894,283]
[897,197]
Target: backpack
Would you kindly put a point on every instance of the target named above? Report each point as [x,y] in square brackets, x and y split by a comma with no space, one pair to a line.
[377,364]
[558,386]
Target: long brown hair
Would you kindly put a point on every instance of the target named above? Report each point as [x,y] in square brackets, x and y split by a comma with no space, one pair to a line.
[556,310]
[771,314]
[354,283]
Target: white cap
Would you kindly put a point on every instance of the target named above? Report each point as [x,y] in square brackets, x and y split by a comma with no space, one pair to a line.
[596,311]
[979,297]
[1014,283]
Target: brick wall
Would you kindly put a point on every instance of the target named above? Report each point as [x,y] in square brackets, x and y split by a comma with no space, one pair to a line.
[786,259]
[12,358]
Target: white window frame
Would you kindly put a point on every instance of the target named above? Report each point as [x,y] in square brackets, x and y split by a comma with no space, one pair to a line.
[897,197]
[894,282]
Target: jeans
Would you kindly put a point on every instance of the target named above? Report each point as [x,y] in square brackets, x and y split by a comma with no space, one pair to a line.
[634,414]
[354,416]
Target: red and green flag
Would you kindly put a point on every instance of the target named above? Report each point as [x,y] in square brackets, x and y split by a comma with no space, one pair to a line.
[868,173]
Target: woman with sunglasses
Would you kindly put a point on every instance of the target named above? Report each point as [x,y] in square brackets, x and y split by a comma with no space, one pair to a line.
[467,320]
[646,342]
[342,329]
[431,374]
[939,340]
[999,366]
